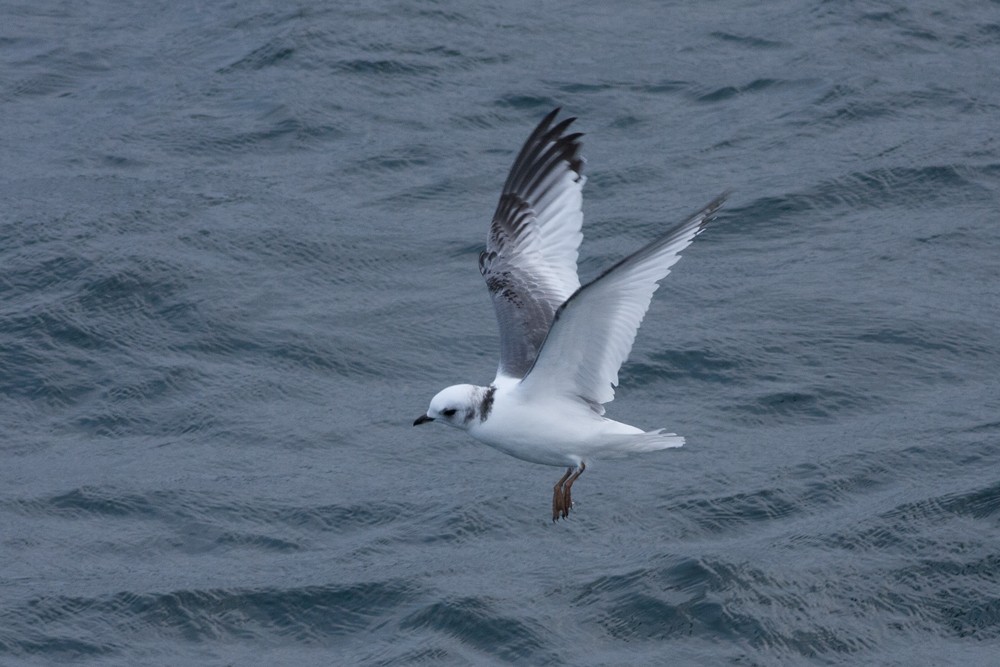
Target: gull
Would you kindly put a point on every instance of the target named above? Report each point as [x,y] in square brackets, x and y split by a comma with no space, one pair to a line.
[561,345]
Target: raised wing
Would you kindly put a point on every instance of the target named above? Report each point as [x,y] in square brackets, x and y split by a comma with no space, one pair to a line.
[530,259]
[593,331]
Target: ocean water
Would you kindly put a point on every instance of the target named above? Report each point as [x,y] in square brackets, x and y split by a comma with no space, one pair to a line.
[238,256]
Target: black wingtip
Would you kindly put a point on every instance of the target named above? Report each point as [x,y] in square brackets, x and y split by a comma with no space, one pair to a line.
[543,149]
[713,206]
[708,212]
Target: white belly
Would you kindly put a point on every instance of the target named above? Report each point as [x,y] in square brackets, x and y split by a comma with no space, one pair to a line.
[558,433]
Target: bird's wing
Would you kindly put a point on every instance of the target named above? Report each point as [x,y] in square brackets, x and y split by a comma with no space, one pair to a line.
[530,259]
[593,331]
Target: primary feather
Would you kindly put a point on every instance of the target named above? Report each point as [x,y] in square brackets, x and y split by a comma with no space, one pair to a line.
[593,331]
[530,259]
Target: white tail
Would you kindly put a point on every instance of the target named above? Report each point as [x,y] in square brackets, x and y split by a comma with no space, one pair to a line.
[651,441]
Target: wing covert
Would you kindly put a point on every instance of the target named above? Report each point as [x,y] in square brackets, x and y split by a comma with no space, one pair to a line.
[529,264]
[593,332]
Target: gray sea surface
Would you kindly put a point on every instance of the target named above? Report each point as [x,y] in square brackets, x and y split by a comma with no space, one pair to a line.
[238,256]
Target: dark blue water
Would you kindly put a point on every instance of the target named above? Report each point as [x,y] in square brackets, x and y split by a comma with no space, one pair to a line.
[238,252]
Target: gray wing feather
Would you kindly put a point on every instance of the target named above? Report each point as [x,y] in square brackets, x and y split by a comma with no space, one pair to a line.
[530,259]
[594,329]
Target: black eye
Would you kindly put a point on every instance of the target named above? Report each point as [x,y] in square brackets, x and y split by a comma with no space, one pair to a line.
[450,412]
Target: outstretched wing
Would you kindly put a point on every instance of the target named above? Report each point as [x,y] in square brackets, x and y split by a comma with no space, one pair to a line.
[593,331]
[530,259]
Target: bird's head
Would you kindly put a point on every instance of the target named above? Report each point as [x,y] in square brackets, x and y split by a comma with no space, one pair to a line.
[455,406]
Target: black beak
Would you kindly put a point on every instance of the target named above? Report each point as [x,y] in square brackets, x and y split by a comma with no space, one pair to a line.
[422,419]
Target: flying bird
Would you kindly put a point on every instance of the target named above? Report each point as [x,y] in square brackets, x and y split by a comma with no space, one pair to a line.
[561,345]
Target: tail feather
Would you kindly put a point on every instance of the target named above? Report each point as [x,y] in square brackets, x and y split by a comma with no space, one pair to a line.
[651,441]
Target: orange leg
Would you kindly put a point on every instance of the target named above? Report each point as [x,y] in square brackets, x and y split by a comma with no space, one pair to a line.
[558,496]
[562,499]
[568,502]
